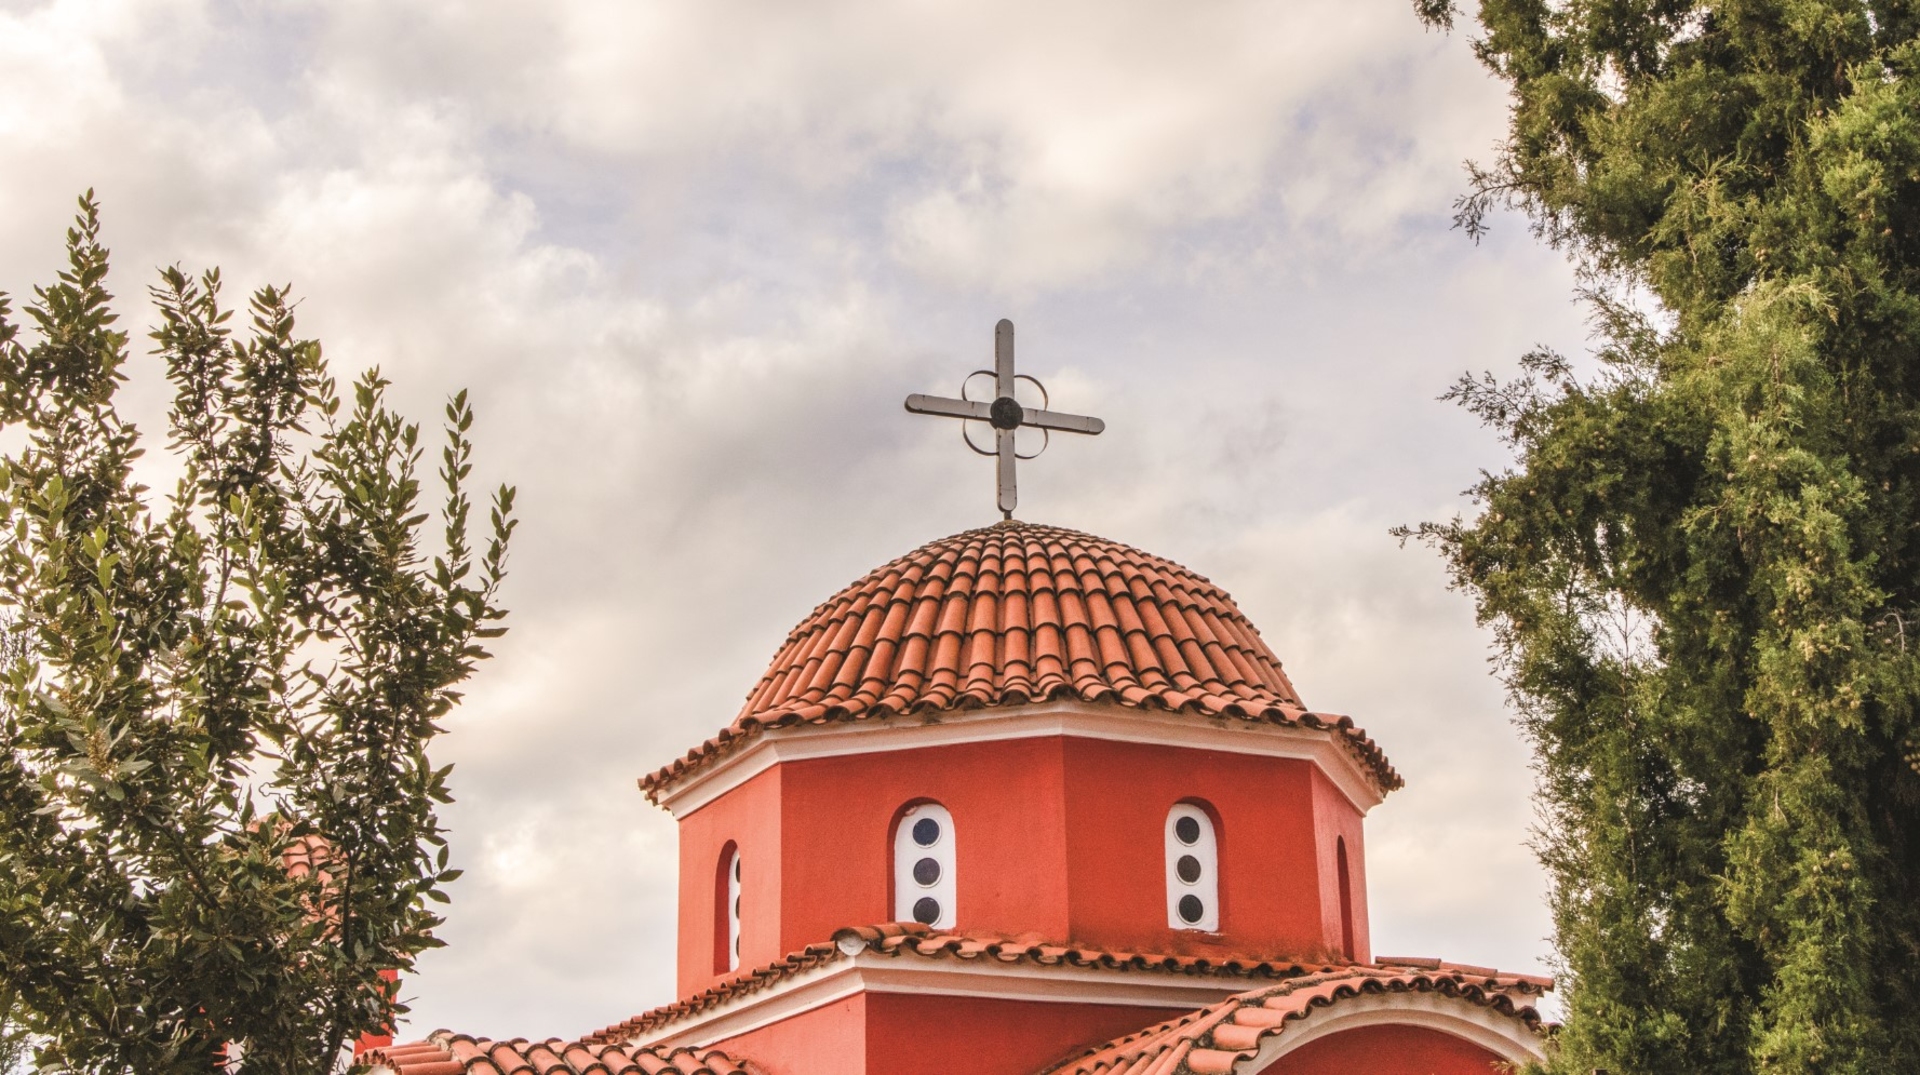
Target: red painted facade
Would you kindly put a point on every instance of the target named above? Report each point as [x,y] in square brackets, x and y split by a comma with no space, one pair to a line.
[1386,1050]
[908,1034]
[1050,841]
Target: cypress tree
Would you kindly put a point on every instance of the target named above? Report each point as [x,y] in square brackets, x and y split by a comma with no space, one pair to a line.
[1702,569]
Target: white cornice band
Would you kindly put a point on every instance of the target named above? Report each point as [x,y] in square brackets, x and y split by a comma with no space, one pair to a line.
[1083,720]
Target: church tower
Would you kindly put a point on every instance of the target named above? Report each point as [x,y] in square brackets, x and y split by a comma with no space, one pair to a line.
[1027,801]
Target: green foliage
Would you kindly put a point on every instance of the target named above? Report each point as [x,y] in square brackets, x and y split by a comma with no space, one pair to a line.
[195,700]
[1703,570]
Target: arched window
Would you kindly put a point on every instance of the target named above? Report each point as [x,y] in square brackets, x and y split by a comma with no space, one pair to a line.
[1346,897]
[923,866]
[1193,869]
[726,911]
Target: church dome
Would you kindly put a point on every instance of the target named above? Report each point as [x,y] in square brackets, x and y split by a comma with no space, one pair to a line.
[1018,613]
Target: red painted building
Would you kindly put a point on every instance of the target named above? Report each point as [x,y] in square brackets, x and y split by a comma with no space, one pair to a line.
[1028,801]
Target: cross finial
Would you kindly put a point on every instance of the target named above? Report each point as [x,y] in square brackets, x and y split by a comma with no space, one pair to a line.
[1005,414]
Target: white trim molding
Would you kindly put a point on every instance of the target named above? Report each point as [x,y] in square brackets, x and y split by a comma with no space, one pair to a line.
[872,972]
[1075,719]
[1503,1035]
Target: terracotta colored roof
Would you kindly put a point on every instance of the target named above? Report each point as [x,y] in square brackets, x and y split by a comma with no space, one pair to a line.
[445,1053]
[1214,1039]
[914,939]
[1017,613]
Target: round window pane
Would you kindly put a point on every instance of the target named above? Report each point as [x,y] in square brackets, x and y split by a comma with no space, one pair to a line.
[1188,869]
[926,832]
[1186,830]
[736,867]
[1191,909]
[926,873]
[926,910]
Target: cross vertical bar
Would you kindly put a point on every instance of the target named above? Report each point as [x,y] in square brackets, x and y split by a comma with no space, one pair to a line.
[1003,359]
[1004,445]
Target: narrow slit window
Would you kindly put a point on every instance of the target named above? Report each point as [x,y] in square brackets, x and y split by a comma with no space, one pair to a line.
[1346,897]
[727,921]
[924,883]
[1193,869]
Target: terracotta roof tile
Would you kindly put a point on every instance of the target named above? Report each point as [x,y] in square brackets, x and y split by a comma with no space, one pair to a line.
[445,1053]
[1017,613]
[912,939]
[1217,1038]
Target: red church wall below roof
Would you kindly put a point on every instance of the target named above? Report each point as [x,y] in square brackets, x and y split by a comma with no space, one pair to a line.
[935,1035]
[1118,797]
[1336,822]
[1062,837]
[749,817]
[828,1040]
[1006,803]
[908,1034]
[1387,1050]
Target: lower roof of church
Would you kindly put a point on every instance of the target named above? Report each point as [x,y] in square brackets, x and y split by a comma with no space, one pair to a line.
[1217,1037]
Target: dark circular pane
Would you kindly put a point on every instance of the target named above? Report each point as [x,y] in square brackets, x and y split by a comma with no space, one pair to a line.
[1190,909]
[1187,830]
[1187,869]
[926,831]
[926,911]
[926,872]
[736,907]
[736,867]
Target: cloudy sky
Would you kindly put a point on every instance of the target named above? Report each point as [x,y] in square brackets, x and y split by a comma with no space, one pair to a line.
[689,255]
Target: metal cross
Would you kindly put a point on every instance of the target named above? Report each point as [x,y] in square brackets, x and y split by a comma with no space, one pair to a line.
[1005,414]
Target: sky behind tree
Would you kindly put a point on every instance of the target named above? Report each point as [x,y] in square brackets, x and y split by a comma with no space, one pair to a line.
[690,256]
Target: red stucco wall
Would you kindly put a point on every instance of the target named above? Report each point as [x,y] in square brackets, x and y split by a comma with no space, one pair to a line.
[1387,1050]
[838,818]
[1056,836]
[828,1040]
[911,1034]
[749,815]
[1335,818]
[1118,795]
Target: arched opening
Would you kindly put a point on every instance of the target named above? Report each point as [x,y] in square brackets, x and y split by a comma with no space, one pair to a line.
[925,885]
[1193,869]
[1346,897]
[726,910]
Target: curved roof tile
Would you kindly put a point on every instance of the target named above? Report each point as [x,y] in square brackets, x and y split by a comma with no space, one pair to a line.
[1016,613]
[446,1053]
[1217,1038]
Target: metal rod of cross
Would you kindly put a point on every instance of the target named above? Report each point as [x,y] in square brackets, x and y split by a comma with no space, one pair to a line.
[1005,414]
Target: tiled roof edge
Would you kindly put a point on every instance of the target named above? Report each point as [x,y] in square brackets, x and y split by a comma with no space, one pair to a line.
[1210,1040]
[739,985]
[448,1053]
[1372,759]
[911,938]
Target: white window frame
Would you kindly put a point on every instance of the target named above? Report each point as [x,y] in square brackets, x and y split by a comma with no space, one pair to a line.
[907,851]
[733,910]
[1205,849]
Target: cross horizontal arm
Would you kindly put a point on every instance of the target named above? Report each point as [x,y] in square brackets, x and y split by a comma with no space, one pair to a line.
[950,408]
[1065,423]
